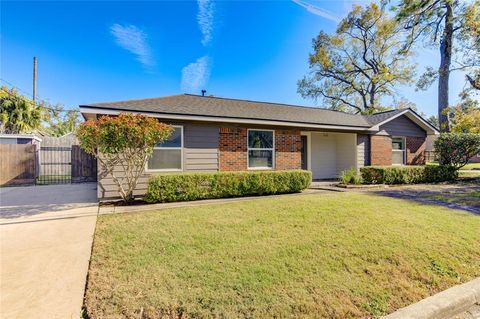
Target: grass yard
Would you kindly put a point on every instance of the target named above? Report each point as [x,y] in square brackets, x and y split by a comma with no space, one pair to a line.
[471,166]
[334,255]
[471,198]
[53,179]
[468,174]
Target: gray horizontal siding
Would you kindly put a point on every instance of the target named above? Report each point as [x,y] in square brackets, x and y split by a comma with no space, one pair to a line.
[200,154]
[402,126]
[363,150]
[107,188]
[201,148]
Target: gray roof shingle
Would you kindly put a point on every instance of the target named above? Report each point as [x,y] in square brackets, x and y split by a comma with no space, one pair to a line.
[379,117]
[187,104]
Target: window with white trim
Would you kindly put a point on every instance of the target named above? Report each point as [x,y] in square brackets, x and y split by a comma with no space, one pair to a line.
[168,155]
[260,149]
[398,150]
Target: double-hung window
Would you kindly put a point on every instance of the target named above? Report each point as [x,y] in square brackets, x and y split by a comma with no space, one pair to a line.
[260,149]
[398,150]
[168,155]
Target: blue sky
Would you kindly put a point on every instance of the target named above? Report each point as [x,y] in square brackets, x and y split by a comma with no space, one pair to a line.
[107,51]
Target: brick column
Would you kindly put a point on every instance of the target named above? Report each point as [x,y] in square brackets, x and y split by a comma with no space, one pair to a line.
[381,150]
[415,148]
[288,145]
[233,149]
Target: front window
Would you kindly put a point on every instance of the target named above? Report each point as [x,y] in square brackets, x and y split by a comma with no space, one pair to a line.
[398,150]
[167,156]
[260,149]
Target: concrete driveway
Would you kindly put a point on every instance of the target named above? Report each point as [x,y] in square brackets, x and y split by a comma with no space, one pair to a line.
[46,235]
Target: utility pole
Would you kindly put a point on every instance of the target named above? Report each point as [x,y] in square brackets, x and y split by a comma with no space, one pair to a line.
[34,79]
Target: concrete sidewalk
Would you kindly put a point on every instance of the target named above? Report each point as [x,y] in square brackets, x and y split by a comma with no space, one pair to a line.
[45,250]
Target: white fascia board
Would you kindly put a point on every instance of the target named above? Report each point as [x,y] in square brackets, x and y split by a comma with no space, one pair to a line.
[91,110]
[33,137]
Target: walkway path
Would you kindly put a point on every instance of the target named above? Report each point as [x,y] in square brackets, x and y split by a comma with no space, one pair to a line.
[46,235]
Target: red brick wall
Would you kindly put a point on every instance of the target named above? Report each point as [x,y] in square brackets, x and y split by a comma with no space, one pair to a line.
[288,145]
[233,149]
[415,147]
[381,150]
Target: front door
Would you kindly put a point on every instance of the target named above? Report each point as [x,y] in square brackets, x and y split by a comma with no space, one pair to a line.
[304,152]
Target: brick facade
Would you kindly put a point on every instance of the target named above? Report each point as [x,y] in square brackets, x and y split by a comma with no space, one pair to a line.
[381,150]
[288,145]
[415,148]
[233,149]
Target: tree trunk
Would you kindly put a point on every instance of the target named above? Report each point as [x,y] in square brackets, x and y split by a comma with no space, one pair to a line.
[446,43]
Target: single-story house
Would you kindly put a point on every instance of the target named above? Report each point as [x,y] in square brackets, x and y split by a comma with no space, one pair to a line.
[222,134]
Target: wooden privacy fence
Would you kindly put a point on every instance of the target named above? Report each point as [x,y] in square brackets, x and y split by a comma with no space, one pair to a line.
[18,164]
[27,165]
[84,166]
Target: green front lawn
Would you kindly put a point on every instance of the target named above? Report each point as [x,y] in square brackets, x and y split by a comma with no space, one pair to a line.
[468,166]
[471,166]
[470,198]
[334,255]
[52,179]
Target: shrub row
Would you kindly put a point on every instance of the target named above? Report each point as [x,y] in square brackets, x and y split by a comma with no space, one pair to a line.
[351,176]
[194,186]
[407,174]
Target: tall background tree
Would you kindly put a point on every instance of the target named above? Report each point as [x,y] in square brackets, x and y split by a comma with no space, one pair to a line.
[18,114]
[453,27]
[60,121]
[360,65]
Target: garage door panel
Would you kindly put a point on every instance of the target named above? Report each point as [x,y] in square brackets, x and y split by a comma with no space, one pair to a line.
[323,156]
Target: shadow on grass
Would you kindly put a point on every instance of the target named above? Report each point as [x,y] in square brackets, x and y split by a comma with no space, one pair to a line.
[463,195]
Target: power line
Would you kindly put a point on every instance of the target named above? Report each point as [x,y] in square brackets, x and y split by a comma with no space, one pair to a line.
[39,105]
[19,89]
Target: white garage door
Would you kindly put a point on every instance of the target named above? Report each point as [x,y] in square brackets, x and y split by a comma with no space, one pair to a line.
[332,153]
[323,156]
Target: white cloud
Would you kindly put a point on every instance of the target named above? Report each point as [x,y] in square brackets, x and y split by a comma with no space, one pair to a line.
[195,75]
[205,13]
[134,40]
[317,11]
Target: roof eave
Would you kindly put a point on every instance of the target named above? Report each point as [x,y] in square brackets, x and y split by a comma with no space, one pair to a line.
[93,110]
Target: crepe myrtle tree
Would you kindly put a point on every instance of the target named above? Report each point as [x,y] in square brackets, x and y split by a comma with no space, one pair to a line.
[127,141]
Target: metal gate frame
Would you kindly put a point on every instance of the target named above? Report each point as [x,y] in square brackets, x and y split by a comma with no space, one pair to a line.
[55,165]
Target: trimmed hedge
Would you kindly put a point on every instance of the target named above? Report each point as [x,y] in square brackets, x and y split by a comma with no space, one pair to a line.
[407,174]
[193,186]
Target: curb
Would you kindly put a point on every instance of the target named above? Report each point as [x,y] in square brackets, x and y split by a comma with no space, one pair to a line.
[443,305]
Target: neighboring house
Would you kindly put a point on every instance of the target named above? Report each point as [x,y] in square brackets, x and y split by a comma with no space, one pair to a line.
[430,149]
[19,155]
[475,159]
[220,134]
[20,139]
